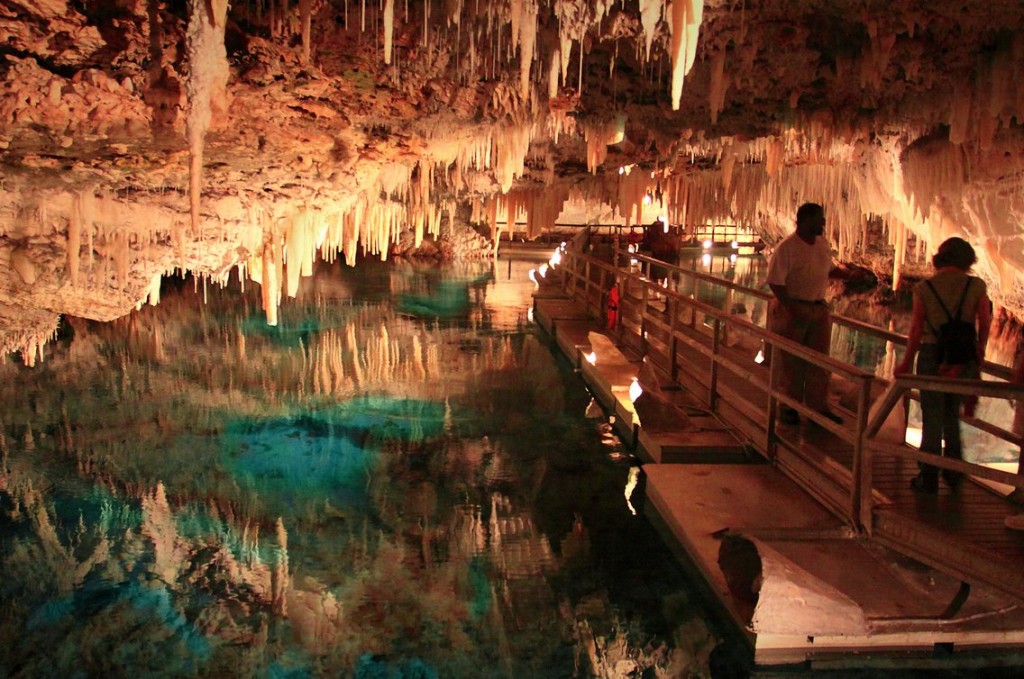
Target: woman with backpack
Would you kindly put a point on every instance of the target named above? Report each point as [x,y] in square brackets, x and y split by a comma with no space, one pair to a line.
[948,333]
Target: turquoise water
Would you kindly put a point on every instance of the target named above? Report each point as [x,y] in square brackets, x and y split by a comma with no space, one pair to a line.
[397,481]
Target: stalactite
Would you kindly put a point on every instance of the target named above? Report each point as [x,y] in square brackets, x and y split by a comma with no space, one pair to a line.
[686,20]
[527,40]
[306,19]
[389,28]
[960,114]
[650,15]
[207,80]
[515,17]
[716,93]
[75,239]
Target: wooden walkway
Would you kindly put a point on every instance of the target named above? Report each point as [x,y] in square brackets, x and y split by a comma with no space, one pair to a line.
[968,521]
[958,532]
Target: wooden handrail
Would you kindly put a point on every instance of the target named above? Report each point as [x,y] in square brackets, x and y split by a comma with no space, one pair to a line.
[993,369]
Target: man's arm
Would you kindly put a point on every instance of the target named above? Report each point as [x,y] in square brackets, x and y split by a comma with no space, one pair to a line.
[781,294]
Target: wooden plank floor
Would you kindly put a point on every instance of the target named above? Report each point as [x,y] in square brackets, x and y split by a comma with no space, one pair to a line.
[971,517]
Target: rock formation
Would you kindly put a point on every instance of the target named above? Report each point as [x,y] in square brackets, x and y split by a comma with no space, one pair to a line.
[347,129]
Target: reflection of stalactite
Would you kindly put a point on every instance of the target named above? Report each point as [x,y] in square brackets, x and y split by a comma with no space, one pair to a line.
[159,526]
[280,580]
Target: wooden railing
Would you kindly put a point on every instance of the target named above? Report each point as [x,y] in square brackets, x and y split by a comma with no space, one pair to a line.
[645,263]
[669,320]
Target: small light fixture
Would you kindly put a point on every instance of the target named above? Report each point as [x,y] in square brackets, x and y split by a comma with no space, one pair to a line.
[707,244]
[635,390]
[532,275]
[543,271]
[759,359]
[735,245]
[706,260]
[529,314]
[591,357]
[732,258]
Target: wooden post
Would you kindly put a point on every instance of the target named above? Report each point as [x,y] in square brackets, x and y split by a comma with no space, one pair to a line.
[774,367]
[713,379]
[860,497]
[586,284]
[673,351]
[643,316]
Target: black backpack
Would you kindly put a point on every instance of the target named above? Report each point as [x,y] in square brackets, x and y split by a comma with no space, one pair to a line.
[958,339]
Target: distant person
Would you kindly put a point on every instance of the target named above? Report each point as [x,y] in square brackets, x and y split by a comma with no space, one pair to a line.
[951,309]
[798,277]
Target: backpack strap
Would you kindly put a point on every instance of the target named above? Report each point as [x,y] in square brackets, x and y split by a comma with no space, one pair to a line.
[960,304]
[963,296]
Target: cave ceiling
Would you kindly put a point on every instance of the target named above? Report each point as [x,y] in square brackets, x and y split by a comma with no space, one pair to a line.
[141,138]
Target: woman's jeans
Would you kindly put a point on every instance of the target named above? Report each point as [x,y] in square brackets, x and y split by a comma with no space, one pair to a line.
[940,412]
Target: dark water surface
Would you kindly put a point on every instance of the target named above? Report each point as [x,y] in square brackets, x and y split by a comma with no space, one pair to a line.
[398,481]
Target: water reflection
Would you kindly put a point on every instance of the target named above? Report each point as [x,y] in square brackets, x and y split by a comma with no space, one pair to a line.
[394,481]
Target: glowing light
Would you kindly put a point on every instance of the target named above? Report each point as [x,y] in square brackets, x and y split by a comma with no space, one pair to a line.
[635,390]
[735,245]
[543,271]
[647,199]
[591,357]
[732,259]
[532,274]
[706,260]
[913,436]
[556,259]
[632,261]
[664,284]
[759,359]
[529,314]
[664,220]
[631,482]
[630,248]
[622,170]
[707,244]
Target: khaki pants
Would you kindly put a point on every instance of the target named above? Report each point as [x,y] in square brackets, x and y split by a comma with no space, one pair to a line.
[811,325]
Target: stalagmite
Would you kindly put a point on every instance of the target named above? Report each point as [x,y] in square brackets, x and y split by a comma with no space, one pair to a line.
[207,80]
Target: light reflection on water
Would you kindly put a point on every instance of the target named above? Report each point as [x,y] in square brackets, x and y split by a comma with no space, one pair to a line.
[398,480]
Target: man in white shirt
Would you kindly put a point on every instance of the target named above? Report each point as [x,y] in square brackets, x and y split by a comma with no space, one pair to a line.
[798,277]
